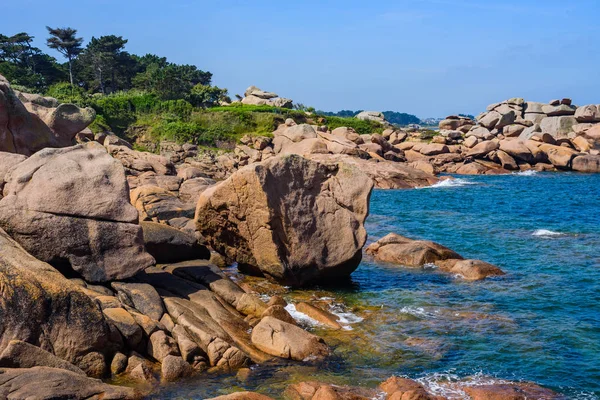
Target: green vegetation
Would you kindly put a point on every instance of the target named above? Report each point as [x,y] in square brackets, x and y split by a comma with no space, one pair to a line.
[396,118]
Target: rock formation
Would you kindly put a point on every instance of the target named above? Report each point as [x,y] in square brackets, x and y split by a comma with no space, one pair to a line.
[69,207]
[29,123]
[396,249]
[291,219]
[257,97]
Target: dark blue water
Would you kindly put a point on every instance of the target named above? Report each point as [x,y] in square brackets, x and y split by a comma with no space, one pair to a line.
[540,322]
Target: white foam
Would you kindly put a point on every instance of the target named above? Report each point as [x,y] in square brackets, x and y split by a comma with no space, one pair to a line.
[300,317]
[345,318]
[264,297]
[529,172]
[449,385]
[546,233]
[419,312]
[449,183]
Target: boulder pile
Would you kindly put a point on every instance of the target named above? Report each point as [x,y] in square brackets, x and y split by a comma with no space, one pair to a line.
[29,123]
[520,135]
[257,97]
[105,270]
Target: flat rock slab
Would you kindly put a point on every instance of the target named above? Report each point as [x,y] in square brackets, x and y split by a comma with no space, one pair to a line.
[43,383]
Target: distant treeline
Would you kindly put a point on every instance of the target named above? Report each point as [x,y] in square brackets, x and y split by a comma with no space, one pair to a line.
[392,117]
[101,66]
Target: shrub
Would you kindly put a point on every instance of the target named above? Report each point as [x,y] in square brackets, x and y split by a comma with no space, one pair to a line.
[65,93]
[360,126]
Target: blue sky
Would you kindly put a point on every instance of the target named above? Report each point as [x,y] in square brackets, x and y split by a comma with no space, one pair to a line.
[424,57]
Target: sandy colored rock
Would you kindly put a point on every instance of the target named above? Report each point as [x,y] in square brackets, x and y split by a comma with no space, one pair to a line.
[589,113]
[173,368]
[70,206]
[397,249]
[126,324]
[27,127]
[38,305]
[190,351]
[167,244]
[385,174]
[25,383]
[141,296]
[158,204]
[586,163]
[294,220]
[324,391]
[242,396]
[325,317]
[137,162]
[483,148]
[559,156]
[285,340]
[510,391]
[279,312]
[472,270]
[516,149]
[19,354]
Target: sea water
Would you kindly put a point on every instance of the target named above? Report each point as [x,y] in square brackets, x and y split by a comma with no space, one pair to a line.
[539,323]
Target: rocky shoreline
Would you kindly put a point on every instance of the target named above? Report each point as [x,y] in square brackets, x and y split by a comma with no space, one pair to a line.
[111,262]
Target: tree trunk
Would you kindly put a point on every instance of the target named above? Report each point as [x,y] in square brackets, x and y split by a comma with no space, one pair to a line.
[71,71]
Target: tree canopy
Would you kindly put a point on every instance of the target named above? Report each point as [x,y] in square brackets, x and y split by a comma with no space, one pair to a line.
[104,66]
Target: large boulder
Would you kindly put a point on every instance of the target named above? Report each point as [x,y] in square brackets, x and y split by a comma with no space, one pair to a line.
[516,149]
[558,127]
[27,127]
[376,116]
[40,306]
[397,249]
[43,383]
[291,219]
[483,148]
[69,207]
[589,113]
[586,163]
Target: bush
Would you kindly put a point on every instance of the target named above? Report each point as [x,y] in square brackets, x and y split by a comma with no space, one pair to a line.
[65,93]
[360,126]
[122,109]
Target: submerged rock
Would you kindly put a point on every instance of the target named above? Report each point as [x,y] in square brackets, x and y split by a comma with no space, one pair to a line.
[324,391]
[242,396]
[398,249]
[291,219]
[511,391]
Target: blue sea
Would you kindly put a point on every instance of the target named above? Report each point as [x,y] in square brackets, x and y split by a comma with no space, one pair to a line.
[539,323]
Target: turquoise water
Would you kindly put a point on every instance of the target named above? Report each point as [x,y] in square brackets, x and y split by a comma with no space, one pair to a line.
[540,322]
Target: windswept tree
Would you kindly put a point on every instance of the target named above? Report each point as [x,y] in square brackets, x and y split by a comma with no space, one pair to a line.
[106,64]
[26,65]
[65,41]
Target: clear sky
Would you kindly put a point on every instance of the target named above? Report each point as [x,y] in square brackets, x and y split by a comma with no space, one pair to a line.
[425,57]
